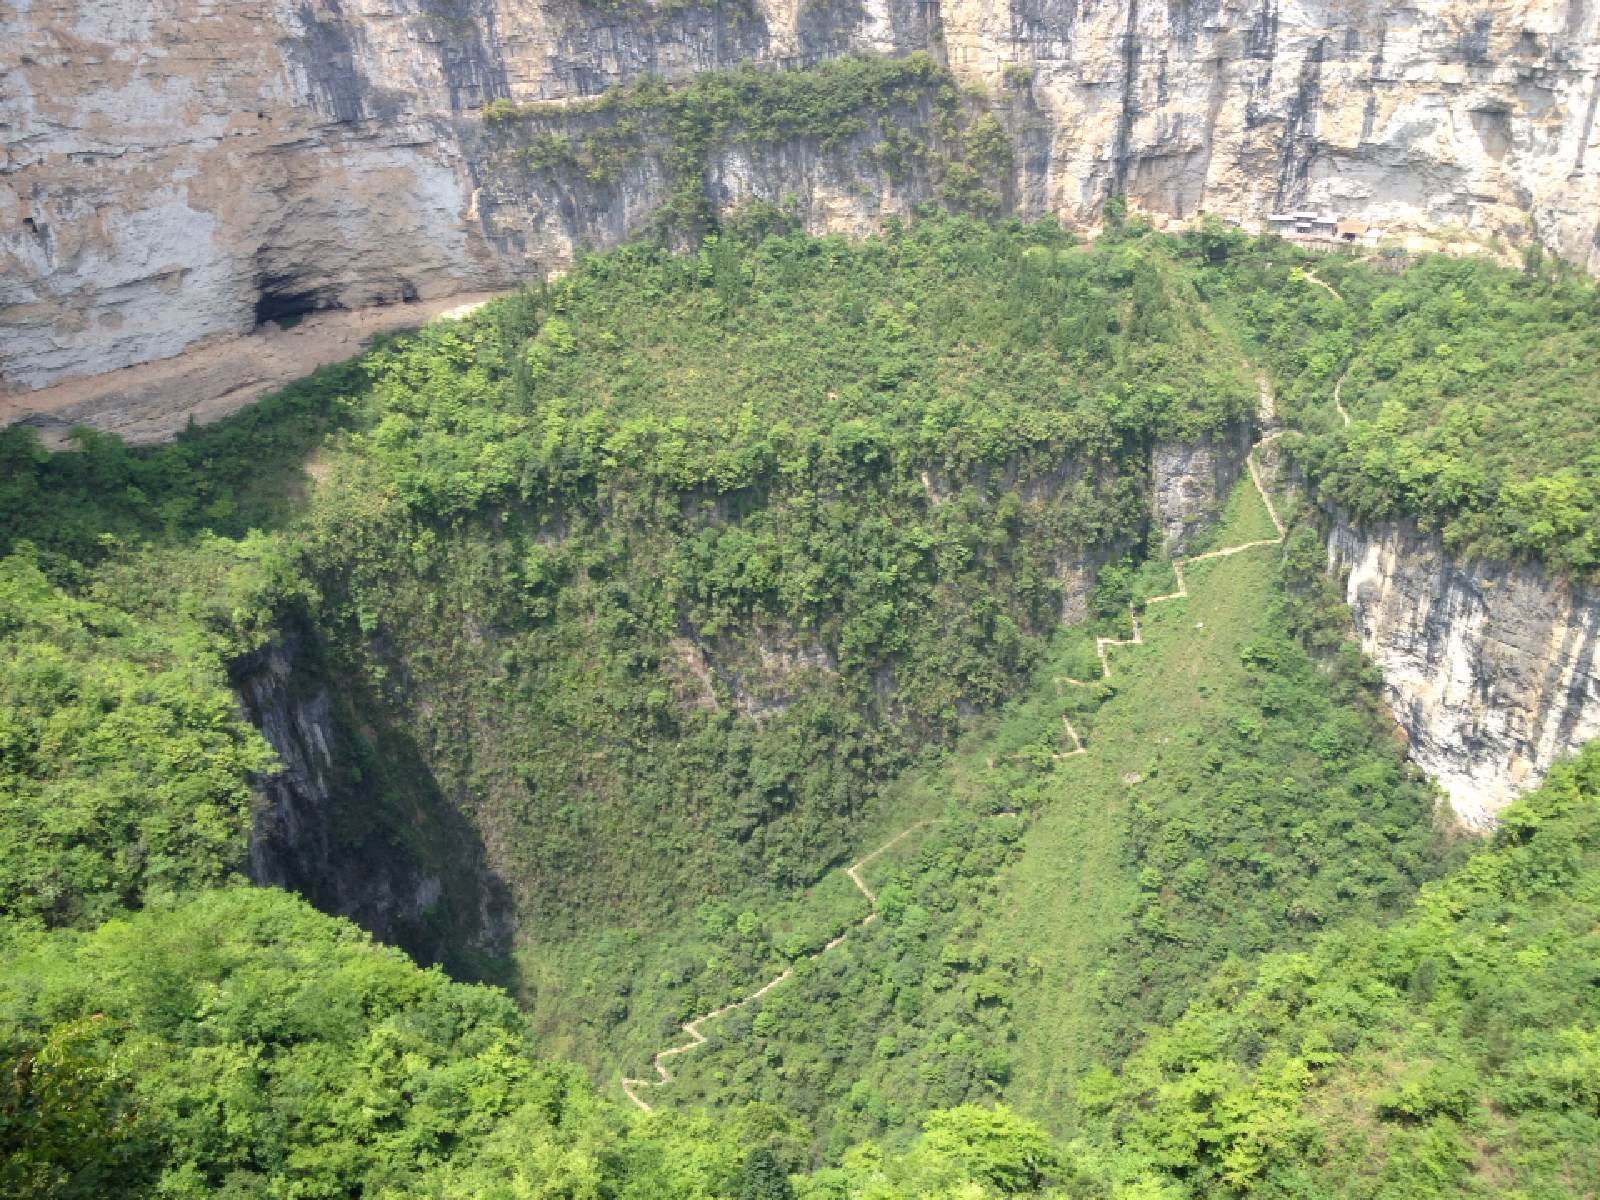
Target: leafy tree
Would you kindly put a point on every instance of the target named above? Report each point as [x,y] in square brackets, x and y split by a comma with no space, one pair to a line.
[994,1145]
[762,1178]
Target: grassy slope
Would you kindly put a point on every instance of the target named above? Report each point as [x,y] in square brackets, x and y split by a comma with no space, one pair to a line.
[1081,938]
[1071,896]
[1015,979]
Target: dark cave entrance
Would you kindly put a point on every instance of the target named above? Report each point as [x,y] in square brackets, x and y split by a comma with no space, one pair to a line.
[281,299]
[285,299]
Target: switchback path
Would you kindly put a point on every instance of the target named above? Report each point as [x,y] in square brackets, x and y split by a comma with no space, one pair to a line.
[692,1028]
[632,1086]
[1101,645]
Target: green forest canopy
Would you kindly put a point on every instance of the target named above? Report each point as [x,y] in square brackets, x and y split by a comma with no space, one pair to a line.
[166,1030]
[1472,390]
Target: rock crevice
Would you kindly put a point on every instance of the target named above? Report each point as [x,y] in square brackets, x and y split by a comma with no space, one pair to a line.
[331,824]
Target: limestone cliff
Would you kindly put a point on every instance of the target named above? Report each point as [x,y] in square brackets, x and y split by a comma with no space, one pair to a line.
[1191,480]
[1493,671]
[333,821]
[176,170]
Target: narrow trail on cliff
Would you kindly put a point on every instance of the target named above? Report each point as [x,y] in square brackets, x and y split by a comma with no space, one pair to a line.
[1324,285]
[1103,644]
[1338,386]
[1338,399]
[631,1086]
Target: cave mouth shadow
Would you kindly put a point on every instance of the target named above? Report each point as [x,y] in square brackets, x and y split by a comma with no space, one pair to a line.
[286,308]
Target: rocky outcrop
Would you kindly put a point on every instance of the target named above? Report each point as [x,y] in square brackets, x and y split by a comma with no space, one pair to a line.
[179,170]
[1493,671]
[321,829]
[1191,480]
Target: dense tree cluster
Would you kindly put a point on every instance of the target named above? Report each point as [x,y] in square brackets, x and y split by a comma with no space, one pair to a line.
[679,574]
[1470,389]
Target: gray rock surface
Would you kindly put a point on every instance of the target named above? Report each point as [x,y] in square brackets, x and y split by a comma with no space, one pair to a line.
[320,829]
[173,171]
[1493,671]
[1190,481]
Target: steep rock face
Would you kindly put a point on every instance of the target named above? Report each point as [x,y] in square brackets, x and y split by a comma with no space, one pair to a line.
[319,831]
[1190,481]
[1493,671]
[178,169]
[1436,116]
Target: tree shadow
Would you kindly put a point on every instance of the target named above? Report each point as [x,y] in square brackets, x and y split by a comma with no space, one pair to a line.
[246,472]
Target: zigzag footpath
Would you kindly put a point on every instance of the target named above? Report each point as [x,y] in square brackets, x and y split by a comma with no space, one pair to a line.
[692,1028]
[1102,644]
[632,1086]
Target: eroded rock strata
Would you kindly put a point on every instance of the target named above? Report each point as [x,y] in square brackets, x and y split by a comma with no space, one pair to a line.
[180,170]
[1493,671]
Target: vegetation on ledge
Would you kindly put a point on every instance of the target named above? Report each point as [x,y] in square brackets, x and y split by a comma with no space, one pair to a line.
[922,121]
[681,579]
[239,1044]
[1472,391]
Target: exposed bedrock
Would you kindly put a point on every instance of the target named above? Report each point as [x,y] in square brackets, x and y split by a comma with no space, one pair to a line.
[1493,671]
[175,170]
[332,821]
[1190,481]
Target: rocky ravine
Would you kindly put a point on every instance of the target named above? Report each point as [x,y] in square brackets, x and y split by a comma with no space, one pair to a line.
[1493,671]
[177,170]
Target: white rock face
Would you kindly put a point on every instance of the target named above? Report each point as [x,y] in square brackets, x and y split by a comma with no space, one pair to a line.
[1492,671]
[177,170]
[1190,482]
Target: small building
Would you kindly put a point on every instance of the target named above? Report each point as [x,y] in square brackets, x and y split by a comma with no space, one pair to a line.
[1351,230]
[1308,226]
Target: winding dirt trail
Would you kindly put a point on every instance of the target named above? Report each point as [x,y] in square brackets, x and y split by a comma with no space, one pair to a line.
[692,1028]
[632,1086]
[1338,387]
[1324,285]
[1338,400]
[1101,645]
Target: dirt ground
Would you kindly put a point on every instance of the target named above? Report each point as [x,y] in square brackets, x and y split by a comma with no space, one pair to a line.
[153,402]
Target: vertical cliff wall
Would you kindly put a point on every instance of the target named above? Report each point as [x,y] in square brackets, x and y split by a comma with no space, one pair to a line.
[1492,671]
[1453,119]
[1190,481]
[176,170]
[352,820]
